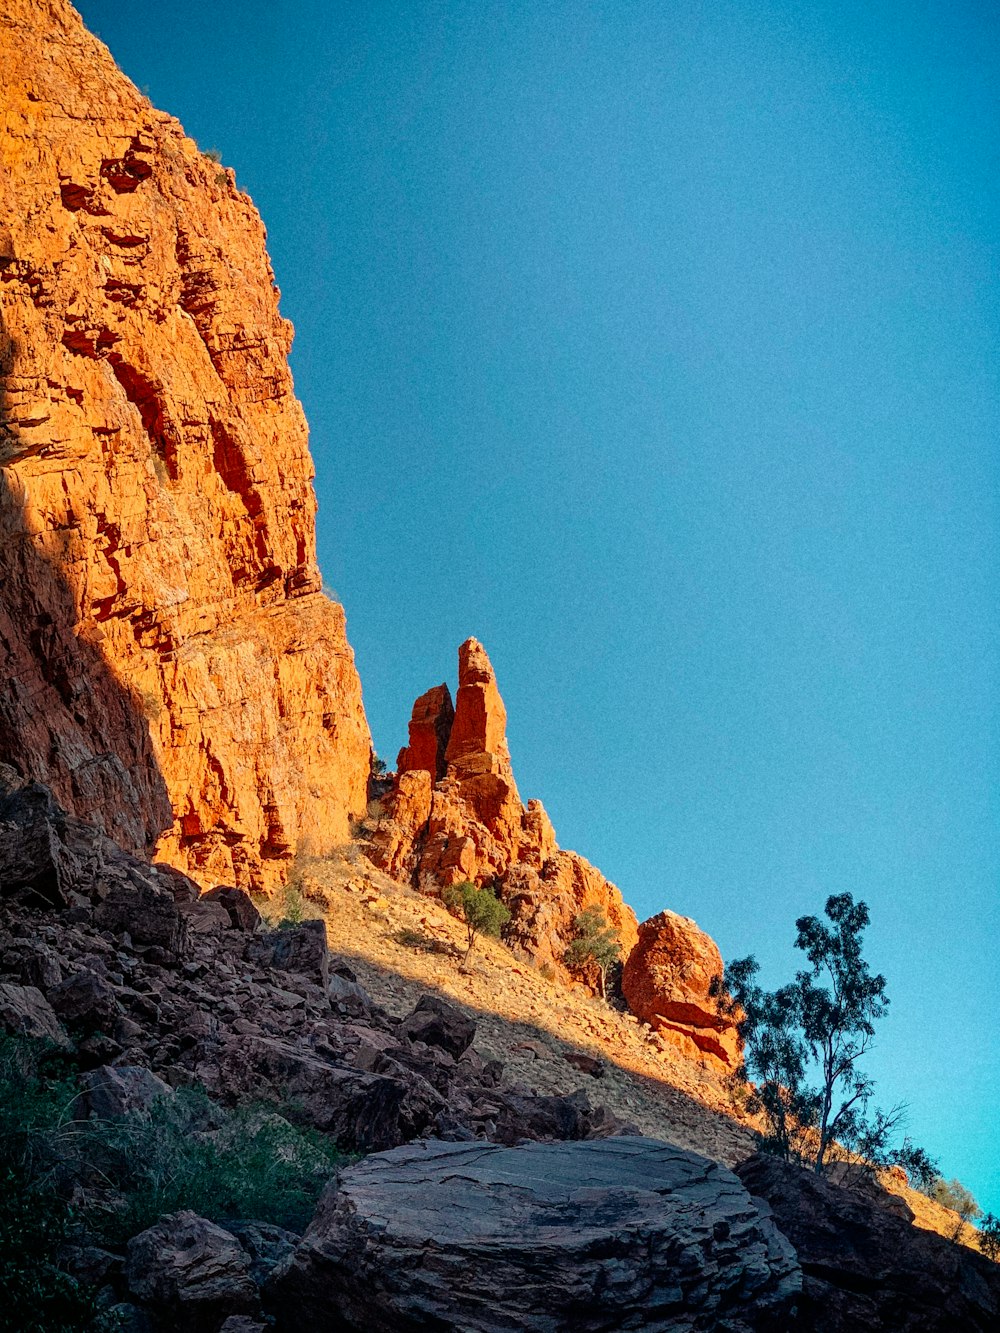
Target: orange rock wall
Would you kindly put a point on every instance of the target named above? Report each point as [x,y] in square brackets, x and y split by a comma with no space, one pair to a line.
[168,661]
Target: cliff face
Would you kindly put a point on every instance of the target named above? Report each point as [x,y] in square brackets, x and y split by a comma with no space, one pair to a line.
[168,662]
[454,814]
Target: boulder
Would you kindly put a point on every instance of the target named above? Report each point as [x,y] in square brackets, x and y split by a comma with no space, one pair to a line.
[243,915]
[204,917]
[363,1111]
[25,1012]
[301,948]
[32,854]
[85,1000]
[189,1267]
[867,1268]
[149,915]
[619,1233]
[667,981]
[437,1023]
[113,1091]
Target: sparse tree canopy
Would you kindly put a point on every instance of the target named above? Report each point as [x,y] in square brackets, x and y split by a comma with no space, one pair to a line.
[953,1194]
[596,943]
[480,909]
[819,1026]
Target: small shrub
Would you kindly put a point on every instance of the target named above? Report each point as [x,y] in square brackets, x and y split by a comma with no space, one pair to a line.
[151,704]
[213,155]
[480,909]
[596,944]
[953,1194]
[379,766]
[36,1105]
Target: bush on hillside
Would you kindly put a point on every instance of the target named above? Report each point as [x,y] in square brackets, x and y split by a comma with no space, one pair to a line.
[596,945]
[480,909]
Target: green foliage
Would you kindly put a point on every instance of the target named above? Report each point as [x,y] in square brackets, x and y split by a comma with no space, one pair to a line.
[989,1236]
[185,1152]
[379,766]
[818,1026]
[213,155]
[36,1101]
[595,944]
[188,1153]
[480,909]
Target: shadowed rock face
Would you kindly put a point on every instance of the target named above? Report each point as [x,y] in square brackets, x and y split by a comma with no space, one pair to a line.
[619,1233]
[168,662]
[454,813]
[865,1267]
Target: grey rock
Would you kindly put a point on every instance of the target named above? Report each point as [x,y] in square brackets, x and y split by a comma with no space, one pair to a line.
[435,1022]
[204,917]
[25,1012]
[623,1233]
[867,1268]
[300,948]
[85,1000]
[243,915]
[192,1267]
[147,914]
[114,1090]
[268,1246]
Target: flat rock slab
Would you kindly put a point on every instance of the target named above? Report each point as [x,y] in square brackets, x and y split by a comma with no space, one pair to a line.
[619,1233]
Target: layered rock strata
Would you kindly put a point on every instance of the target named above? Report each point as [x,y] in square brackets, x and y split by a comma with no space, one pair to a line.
[454,814]
[168,661]
[621,1233]
[667,982]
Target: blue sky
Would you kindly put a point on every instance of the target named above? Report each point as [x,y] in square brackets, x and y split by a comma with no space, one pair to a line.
[655,344]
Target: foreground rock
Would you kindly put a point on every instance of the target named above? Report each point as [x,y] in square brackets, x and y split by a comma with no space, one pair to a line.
[667,980]
[191,1269]
[168,660]
[622,1233]
[454,813]
[866,1267]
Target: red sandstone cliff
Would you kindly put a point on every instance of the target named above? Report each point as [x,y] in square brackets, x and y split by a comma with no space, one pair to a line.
[168,662]
[454,814]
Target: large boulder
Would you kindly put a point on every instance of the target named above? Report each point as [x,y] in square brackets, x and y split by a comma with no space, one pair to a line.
[867,1268]
[301,949]
[147,914]
[437,1023]
[667,981]
[25,1012]
[191,1269]
[615,1234]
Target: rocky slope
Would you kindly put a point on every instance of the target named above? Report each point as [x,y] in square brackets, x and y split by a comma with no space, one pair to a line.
[168,661]
[453,813]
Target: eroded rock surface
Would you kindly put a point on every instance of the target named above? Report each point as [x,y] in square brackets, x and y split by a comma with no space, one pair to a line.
[667,981]
[168,662]
[454,813]
[865,1267]
[621,1233]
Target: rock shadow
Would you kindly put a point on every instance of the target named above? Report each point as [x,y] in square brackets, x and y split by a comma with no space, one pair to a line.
[65,718]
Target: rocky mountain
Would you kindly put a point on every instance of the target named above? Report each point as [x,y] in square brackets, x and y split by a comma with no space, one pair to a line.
[168,661]
[181,723]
